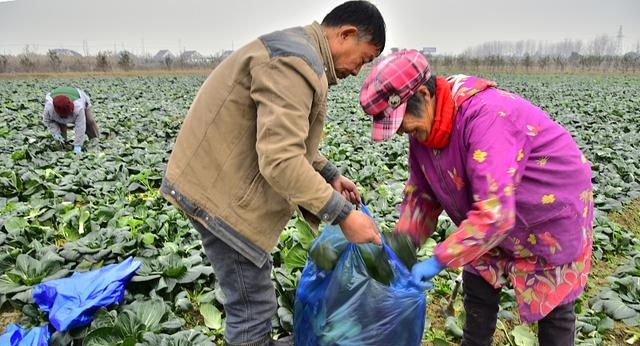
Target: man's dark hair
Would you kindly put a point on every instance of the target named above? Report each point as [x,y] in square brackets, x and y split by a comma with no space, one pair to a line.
[415,103]
[364,16]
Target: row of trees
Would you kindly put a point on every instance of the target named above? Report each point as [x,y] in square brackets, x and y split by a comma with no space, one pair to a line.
[628,63]
[105,62]
[602,54]
[602,45]
[52,61]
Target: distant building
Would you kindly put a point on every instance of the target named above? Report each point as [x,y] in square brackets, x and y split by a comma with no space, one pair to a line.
[62,52]
[163,54]
[428,50]
[192,57]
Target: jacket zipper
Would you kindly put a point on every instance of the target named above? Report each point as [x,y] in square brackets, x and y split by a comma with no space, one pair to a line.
[454,207]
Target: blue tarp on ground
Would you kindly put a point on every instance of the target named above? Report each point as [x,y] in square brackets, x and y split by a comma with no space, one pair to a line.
[16,336]
[72,301]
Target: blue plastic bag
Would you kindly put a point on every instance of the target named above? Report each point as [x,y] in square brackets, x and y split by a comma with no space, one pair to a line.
[72,301]
[346,307]
[16,336]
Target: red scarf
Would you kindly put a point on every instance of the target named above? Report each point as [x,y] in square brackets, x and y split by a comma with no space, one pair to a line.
[443,119]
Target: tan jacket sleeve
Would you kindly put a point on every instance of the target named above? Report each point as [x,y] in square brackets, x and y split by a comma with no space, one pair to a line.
[283,92]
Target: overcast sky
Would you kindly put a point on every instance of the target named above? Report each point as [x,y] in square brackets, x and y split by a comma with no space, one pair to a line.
[211,26]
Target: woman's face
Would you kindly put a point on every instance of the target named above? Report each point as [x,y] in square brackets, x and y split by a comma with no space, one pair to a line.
[414,125]
[419,125]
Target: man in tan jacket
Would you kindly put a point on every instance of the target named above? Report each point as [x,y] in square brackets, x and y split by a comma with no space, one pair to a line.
[246,157]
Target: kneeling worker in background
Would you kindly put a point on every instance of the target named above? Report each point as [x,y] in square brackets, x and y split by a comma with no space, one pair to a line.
[67,105]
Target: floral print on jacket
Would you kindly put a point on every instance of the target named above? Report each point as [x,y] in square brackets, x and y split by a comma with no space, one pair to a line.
[519,190]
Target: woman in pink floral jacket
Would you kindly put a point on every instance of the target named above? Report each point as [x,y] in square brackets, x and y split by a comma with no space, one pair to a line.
[513,181]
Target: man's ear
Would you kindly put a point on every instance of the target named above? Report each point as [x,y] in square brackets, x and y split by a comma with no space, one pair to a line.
[347,30]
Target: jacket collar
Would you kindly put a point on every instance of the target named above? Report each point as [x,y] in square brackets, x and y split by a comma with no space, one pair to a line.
[322,45]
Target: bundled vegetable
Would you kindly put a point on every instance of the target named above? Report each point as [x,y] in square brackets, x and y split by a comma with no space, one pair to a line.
[326,251]
[403,247]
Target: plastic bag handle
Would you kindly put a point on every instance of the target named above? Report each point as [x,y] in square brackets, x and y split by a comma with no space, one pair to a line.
[366,211]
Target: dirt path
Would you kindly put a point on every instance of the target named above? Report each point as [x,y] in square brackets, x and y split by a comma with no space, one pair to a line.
[8,316]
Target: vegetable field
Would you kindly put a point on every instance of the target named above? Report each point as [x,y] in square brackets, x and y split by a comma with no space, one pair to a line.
[62,213]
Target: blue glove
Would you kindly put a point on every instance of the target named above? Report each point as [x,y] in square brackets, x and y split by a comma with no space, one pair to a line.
[424,271]
[77,149]
[58,137]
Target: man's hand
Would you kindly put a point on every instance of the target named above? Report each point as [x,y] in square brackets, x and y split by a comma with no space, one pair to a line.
[347,189]
[359,228]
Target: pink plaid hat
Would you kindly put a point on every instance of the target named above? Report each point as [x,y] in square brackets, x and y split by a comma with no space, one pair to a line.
[387,88]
